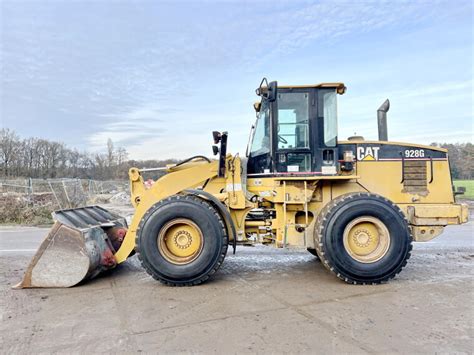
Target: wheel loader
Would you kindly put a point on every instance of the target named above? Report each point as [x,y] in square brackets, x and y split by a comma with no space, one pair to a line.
[357,205]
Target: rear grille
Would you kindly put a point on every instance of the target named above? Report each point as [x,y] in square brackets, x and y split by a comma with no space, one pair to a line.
[414,177]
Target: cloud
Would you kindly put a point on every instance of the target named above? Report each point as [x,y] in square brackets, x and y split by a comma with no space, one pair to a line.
[130,126]
[330,21]
[144,73]
[422,113]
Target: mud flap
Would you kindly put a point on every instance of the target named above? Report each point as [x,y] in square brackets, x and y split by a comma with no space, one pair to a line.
[80,246]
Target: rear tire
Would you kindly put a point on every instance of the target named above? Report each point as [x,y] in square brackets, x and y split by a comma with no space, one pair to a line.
[363,238]
[181,240]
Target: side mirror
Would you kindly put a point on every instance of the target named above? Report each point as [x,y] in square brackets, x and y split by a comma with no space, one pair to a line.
[267,90]
[272,91]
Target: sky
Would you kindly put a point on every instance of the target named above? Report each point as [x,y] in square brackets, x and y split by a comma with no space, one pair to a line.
[158,77]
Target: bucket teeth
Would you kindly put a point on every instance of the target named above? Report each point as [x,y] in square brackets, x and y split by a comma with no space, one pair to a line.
[80,246]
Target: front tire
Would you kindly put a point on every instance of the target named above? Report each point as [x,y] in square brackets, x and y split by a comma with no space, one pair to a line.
[363,238]
[181,240]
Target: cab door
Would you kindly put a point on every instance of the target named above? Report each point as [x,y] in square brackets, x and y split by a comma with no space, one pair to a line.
[293,137]
[326,151]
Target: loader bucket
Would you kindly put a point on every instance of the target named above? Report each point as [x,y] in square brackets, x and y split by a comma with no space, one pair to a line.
[80,246]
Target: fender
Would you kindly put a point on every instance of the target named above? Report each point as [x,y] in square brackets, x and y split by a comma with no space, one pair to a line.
[222,210]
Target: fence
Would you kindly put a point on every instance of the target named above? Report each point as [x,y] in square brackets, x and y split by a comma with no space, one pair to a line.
[65,193]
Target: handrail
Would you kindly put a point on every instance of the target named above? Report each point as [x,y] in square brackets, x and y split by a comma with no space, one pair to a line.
[403,168]
[431,169]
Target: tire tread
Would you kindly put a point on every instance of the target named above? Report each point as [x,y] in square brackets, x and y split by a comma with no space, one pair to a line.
[222,254]
[323,217]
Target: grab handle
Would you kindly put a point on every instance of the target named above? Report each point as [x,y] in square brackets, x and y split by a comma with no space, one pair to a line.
[431,170]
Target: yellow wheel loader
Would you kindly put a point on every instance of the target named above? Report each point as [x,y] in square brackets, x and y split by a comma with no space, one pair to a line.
[357,205]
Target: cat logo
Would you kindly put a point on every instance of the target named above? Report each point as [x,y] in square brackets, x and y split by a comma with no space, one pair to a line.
[368,153]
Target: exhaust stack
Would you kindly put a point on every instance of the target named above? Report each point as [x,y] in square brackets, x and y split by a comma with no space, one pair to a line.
[382,120]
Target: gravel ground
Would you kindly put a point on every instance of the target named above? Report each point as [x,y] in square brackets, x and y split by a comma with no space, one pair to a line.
[261,300]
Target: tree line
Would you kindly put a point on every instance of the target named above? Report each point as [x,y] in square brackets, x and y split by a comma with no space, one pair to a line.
[42,158]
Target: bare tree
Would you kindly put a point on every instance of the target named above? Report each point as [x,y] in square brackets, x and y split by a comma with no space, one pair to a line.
[110,153]
[9,146]
[35,157]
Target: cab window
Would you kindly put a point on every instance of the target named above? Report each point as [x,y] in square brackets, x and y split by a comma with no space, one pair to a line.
[261,137]
[327,110]
[293,120]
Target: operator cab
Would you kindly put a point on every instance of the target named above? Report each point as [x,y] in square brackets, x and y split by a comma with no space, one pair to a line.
[296,130]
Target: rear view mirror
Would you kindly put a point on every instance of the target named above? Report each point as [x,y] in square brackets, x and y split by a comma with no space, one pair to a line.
[266,90]
[272,91]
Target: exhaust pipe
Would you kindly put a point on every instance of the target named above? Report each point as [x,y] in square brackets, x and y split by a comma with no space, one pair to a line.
[382,120]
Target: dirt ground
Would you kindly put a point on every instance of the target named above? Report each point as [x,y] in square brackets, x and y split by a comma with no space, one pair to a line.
[261,300]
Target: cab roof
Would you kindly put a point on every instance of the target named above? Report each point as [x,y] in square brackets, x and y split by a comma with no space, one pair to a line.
[340,87]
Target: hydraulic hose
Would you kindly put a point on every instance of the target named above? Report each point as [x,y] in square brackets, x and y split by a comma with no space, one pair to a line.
[202,157]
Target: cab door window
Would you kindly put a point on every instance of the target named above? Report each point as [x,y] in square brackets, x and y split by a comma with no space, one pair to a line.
[293,120]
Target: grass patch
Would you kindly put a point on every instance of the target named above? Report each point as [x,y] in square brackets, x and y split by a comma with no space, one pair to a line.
[469,185]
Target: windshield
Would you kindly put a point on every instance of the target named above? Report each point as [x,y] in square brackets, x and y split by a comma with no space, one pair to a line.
[261,137]
[328,111]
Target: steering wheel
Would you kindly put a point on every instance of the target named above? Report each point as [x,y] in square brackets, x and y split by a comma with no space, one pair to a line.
[282,140]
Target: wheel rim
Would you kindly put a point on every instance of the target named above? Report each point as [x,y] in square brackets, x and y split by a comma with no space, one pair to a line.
[366,239]
[180,241]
